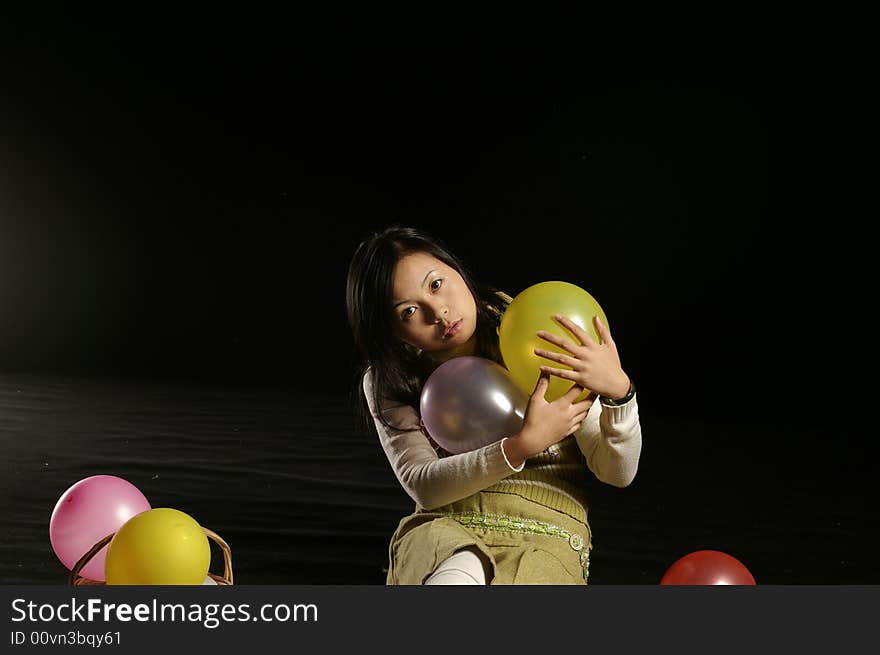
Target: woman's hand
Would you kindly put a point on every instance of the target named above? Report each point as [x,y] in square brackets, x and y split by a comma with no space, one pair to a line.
[546,423]
[594,366]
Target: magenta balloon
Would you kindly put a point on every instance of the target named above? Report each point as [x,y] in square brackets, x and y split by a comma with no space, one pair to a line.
[469,402]
[86,513]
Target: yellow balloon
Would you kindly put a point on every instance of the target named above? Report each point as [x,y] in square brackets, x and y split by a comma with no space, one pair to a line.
[533,310]
[160,546]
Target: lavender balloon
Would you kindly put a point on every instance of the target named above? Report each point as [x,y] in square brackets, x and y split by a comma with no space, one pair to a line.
[469,402]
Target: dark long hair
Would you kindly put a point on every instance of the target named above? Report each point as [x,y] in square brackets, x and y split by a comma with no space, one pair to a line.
[398,370]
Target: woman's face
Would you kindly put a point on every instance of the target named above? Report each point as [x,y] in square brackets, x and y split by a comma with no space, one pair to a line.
[432,307]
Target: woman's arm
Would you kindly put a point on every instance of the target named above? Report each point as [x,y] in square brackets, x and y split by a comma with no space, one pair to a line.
[432,481]
[611,437]
[611,440]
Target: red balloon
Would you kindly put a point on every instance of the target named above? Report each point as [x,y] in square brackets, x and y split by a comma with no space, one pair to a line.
[708,567]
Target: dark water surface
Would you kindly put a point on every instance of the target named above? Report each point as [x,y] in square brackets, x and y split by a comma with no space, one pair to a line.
[302,496]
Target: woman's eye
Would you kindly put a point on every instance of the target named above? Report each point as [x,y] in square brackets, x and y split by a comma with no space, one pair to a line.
[438,282]
[407,313]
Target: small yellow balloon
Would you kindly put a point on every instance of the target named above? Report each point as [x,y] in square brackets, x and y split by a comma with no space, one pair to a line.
[533,310]
[161,546]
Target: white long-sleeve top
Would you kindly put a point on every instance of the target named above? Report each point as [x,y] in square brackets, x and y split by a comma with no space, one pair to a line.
[610,440]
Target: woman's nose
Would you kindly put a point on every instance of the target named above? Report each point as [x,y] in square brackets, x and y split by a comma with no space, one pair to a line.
[440,312]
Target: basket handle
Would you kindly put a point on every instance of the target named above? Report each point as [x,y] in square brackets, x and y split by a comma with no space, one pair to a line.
[74,572]
[227,556]
[224,547]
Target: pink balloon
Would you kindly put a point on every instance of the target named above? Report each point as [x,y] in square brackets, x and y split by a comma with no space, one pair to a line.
[86,513]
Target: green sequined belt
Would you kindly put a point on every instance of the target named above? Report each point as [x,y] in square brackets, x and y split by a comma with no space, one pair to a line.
[526,526]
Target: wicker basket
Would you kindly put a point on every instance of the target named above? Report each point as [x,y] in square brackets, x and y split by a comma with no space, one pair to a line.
[226,579]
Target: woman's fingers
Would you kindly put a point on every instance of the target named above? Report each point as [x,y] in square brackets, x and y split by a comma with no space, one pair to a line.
[602,329]
[562,358]
[575,391]
[565,344]
[581,416]
[576,425]
[582,335]
[542,383]
[563,373]
[580,410]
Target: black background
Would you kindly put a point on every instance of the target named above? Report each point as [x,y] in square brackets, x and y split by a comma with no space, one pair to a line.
[183,204]
[180,201]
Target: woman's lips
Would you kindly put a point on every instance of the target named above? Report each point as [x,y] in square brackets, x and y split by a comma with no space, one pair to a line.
[453,329]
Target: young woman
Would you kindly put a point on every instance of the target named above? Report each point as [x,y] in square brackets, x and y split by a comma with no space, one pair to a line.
[513,511]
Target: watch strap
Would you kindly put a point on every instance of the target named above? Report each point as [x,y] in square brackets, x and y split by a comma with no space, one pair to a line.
[620,401]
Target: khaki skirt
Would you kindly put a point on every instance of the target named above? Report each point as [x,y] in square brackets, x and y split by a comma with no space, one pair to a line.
[525,542]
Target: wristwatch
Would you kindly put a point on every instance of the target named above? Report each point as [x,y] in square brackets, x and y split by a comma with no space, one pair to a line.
[620,401]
